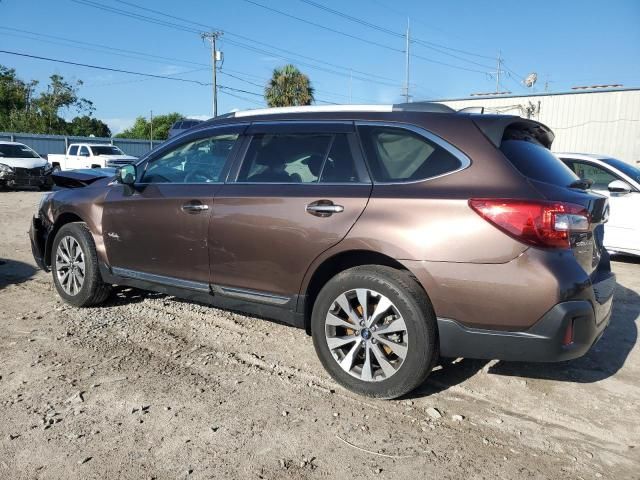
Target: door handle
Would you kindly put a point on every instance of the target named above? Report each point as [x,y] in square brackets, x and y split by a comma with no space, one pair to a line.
[194,207]
[323,208]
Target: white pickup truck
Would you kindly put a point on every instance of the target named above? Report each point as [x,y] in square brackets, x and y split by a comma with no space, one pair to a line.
[90,155]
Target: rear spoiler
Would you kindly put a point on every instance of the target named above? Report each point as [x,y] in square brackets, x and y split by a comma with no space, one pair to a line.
[81,178]
[495,127]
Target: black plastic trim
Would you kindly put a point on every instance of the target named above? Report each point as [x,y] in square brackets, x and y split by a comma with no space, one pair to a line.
[541,343]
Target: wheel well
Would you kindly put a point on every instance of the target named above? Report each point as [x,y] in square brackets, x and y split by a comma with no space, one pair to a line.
[62,220]
[336,264]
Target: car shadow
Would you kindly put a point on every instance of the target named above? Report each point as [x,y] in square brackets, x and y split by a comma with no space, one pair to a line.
[122,295]
[13,272]
[602,361]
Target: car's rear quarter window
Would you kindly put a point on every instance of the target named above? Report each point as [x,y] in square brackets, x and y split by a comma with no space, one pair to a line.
[396,154]
[537,162]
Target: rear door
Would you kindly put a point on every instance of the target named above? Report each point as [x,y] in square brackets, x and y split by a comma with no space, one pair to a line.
[158,230]
[297,190]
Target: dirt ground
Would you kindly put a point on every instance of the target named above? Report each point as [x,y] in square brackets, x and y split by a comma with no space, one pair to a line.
[149,386]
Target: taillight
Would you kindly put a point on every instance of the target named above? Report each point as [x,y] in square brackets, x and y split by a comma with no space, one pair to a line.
[537,223]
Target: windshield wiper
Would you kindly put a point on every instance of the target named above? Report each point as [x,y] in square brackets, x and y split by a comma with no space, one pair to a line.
[582,184]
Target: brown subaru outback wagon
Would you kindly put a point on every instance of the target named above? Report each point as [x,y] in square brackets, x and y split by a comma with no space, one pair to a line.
[392,234]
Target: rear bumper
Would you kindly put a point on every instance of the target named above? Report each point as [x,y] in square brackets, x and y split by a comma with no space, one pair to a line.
[544,341]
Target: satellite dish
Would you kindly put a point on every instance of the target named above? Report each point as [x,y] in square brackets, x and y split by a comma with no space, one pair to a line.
[531,79]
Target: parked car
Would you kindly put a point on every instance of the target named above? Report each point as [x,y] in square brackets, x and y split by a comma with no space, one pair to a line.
[182,126]
[20,166]
[620,182]
[393,234]
[90,155]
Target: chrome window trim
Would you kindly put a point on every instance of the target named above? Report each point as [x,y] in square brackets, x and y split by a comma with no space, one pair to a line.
[465,161]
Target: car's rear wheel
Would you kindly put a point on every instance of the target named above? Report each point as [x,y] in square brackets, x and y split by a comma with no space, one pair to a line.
[374,331]
[74,265]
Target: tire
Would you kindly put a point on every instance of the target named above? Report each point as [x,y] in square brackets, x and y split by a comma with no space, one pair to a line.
[91,290]
[414,341]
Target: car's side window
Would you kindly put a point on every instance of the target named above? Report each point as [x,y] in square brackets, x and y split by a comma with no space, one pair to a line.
[397,154]
[197,161]
[84,151]
[73,150]
[298,158]
[601,177]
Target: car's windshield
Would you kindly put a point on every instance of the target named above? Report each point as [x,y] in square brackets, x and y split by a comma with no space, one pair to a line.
[17,151]
[106,150]
[626,168]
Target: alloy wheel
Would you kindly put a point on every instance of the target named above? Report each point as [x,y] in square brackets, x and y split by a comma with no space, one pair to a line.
[366,334]
[70,266]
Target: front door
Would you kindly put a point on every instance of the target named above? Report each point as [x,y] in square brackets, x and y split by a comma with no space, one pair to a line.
[159,228]
[298,190]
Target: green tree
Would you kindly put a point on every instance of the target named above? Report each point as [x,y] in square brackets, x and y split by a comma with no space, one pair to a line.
[288,87]
[142,127]
[86,126]
[60,97]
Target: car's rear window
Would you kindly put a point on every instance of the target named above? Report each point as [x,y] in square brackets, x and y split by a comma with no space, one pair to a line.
[537,162]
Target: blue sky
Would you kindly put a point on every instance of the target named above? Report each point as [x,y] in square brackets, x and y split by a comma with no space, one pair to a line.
[565,43]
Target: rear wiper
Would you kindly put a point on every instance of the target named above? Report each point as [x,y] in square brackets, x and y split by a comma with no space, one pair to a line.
[582,184]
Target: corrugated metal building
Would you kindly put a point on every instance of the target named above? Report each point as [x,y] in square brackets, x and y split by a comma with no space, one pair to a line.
[602,121]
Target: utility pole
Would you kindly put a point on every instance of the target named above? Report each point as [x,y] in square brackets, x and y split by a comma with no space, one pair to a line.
[151,124]
[406,59]
[216,56]
[498,71]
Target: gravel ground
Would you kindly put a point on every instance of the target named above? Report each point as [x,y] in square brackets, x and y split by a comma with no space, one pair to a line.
[149,386]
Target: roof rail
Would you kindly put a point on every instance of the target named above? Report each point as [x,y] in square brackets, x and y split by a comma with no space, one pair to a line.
[430,107]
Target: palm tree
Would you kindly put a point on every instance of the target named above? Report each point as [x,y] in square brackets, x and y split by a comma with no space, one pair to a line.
[288,87]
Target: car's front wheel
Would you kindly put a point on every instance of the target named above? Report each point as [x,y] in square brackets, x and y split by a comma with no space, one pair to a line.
[74,265]
[374,331]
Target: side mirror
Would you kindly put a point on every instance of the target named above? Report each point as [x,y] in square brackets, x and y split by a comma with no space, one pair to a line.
[127,174]
[619,186]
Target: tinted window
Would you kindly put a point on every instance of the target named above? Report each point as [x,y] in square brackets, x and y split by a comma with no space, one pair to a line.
[84,151]
[396,154]
[285,158]
[73,150]
[624,167]
[339,167]
[17,151]
[537,162]
[106,150]
[177,125]
[601,177]
[199,161]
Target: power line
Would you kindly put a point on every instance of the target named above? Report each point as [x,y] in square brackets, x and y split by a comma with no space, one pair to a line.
[366,76]
[324,27]
[110,49]
[110,69]
[432,27]
[434,46]
[376,43]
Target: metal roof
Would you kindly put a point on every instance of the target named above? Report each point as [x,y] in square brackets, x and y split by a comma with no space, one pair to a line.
[538,94]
